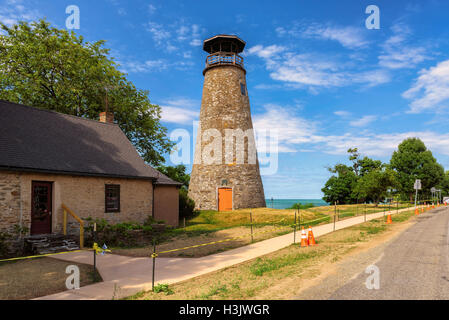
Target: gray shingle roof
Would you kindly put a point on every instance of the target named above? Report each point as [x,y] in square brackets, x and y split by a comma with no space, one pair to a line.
[164,180]
[46,141]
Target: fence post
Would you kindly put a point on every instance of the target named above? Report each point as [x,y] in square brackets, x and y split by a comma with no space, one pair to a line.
[154,263]
[184,224]
[95,248]
[365,212]
[294,232]
[335,213]
[251,220]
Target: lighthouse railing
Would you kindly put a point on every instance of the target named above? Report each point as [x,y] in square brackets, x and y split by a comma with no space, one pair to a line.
[218,58]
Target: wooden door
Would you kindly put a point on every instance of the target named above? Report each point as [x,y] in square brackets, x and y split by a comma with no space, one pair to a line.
[41,207]
[224,199]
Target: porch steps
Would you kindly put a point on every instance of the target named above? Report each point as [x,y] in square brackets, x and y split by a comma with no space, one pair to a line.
[50,243]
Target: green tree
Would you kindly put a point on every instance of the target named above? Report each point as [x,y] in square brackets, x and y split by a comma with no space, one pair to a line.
[54,69]
[414,161]
[374,184]
[339,187]
[177,173]
[444,184]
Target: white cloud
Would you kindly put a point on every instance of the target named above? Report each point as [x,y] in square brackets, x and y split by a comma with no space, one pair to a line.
[398,53]
[180,111]
[12,11]
[151,9]
[342,113]
[363,121]
[349,37]
[314,70]
[195,42]
[143,67]
[170,37]
[297,134]
[431,89]
[291,129]
[159,32]
[265,52]
[178,115]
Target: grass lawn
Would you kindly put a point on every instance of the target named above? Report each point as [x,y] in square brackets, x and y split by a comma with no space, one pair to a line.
[32,278]
[210,226]
[280,275]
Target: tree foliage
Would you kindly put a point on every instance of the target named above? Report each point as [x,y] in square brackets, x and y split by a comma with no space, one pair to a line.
[54,69]
[414,161]
[366,180]
[339,187]
[373,186]
[371,180]
[177,173]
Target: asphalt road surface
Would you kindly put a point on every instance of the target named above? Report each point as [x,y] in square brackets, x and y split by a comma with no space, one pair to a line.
[415,265]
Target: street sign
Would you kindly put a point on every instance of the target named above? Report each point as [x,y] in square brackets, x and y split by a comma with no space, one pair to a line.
[417,185]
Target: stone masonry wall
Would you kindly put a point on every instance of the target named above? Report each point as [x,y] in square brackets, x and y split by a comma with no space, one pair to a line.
[9,201]
[83,195]
[223,106]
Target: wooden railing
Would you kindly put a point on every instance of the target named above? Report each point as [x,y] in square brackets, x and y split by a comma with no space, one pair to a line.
[220,58]
[81,222]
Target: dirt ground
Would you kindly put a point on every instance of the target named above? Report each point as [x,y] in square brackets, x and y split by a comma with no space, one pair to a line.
[32,278]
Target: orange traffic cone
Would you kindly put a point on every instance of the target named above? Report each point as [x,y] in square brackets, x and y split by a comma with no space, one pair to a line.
[311,238]
[416,211]
[422,209]
[433,206]
[445,204]
[304,241]
[389,221]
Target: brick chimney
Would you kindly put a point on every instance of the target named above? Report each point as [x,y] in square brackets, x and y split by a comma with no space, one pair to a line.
[107,117]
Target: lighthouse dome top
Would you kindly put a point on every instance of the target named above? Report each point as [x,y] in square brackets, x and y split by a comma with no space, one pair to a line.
[224,43]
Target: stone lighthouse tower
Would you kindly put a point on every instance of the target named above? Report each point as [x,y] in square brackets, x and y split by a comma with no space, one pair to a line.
[225,174]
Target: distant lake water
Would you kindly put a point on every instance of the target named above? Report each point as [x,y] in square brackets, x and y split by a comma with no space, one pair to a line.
[287,203]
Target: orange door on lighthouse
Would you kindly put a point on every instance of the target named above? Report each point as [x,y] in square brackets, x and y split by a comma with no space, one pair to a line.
[224,199]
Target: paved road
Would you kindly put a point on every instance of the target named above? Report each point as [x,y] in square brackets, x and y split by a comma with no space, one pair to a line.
[413,266]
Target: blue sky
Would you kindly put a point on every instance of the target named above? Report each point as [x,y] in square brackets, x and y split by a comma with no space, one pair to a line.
[314,71]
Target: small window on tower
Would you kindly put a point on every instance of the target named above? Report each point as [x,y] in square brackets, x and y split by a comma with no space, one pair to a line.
[243,89]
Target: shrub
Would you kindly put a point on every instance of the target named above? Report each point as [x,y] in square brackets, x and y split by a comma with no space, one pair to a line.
[3,244]
[120,234]
[163,288]
[302,206]
[186,204]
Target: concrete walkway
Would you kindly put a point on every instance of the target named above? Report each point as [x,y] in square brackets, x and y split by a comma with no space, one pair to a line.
[125,276]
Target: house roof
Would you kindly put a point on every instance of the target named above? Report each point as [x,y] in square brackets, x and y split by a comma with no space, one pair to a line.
[162,179]
[40,140]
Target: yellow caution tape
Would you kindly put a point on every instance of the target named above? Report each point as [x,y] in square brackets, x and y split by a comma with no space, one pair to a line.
[94,248]
[38,256]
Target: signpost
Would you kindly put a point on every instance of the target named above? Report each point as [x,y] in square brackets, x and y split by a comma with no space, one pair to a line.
[433,190]
[417,186]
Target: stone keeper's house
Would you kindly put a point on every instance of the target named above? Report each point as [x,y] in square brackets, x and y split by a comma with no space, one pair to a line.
[50,161]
